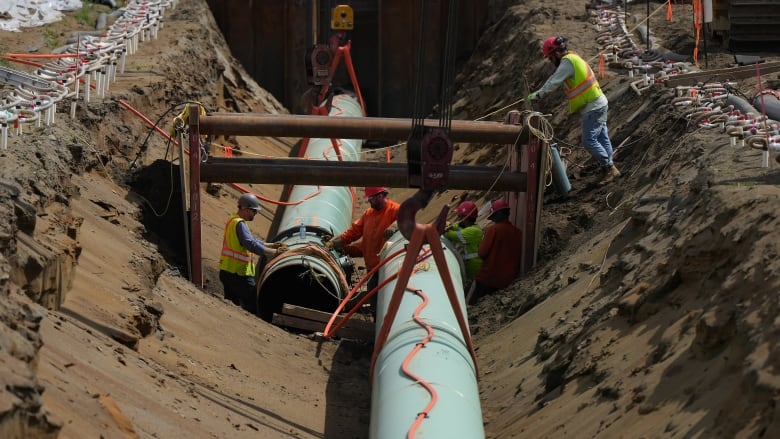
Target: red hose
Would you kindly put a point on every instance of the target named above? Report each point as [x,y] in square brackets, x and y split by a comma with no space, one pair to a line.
[417,379]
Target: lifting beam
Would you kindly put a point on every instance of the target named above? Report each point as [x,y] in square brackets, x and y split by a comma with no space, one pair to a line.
[374,128]
[333,173]
[518,179]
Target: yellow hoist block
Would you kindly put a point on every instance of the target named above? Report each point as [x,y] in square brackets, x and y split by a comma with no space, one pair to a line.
[342,18]
[182,120]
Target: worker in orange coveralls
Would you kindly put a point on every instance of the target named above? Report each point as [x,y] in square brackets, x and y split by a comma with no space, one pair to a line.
[373,226]
[500,250]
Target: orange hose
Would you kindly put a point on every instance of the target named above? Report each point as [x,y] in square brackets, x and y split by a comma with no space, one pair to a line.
[278,202]
[21,61]
[328,332]
[416,378]
[186,150]
[150,123]
[42,55]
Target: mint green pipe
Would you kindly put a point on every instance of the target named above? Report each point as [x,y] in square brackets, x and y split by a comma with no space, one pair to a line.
[307,278]
[331,209]
[444,362]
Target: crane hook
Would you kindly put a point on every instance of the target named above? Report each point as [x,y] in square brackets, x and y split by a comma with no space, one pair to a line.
[407,212]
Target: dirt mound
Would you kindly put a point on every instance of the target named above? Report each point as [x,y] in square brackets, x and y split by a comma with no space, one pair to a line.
[648,291]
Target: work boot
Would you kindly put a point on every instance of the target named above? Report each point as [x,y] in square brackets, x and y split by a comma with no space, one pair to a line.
[610,174]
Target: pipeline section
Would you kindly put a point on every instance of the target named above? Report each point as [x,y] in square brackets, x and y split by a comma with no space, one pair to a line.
[441,376]
[308,274]
[770,102]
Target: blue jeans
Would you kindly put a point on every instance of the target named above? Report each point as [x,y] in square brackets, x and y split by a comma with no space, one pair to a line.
[595,136]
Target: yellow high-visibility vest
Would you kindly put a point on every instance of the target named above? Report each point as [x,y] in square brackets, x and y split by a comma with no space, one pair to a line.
[235,258]
[583,87]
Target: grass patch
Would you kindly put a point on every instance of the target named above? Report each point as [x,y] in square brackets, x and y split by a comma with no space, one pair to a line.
[86,15]
[51,38]
[4,62]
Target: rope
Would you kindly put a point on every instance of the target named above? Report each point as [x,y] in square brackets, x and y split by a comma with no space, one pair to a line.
[417,108]
[447,86]
[321,255]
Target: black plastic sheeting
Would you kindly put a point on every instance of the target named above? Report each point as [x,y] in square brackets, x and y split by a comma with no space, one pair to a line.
[740,104]
[769,103]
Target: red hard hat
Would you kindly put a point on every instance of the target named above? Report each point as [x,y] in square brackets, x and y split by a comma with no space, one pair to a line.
[497,205]
[551,45]
[467,208]
[371,191]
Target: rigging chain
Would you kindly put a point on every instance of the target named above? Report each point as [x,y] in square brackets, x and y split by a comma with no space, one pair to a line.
[429,149]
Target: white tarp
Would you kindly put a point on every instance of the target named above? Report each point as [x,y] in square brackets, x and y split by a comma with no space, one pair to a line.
[16,14]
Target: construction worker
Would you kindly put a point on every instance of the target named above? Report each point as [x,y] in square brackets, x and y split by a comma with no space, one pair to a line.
[236,269]
[467,235]
[373,226]
[500,250]
[585,96]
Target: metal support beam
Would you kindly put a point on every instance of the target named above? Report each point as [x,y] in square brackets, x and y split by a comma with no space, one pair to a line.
[375,128]
[195,262]
[333,173]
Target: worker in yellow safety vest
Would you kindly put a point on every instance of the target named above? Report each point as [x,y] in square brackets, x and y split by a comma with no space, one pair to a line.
[466,235]
[236,268]
[585,96]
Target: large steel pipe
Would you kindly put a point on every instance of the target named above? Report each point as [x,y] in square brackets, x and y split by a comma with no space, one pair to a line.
[375,128]
[332,207]
[309,275]
[444,363]
[332,173]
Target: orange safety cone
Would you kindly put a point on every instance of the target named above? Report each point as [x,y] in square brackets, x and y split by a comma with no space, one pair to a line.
[228,151]
[668,10]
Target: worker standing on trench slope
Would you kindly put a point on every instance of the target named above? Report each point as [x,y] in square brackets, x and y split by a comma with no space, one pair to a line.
[374,226]
[500,250]
[585,96]
[467,236]
[236,268]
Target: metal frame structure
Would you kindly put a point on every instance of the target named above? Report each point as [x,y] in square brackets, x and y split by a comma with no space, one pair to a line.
[520,180]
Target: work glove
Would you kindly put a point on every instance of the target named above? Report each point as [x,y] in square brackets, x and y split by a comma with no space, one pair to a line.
[275,248]
[531,97]
[390,232]
[281,247]
[335,243]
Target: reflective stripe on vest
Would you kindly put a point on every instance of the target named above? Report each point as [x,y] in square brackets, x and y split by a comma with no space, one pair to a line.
[466,256]
[234,257]
[228,253]
[583,87]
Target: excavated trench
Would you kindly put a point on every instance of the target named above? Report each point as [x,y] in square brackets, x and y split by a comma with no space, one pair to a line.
[162,211]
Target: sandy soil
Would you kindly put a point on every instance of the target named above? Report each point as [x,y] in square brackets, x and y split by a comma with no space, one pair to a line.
[652,311]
